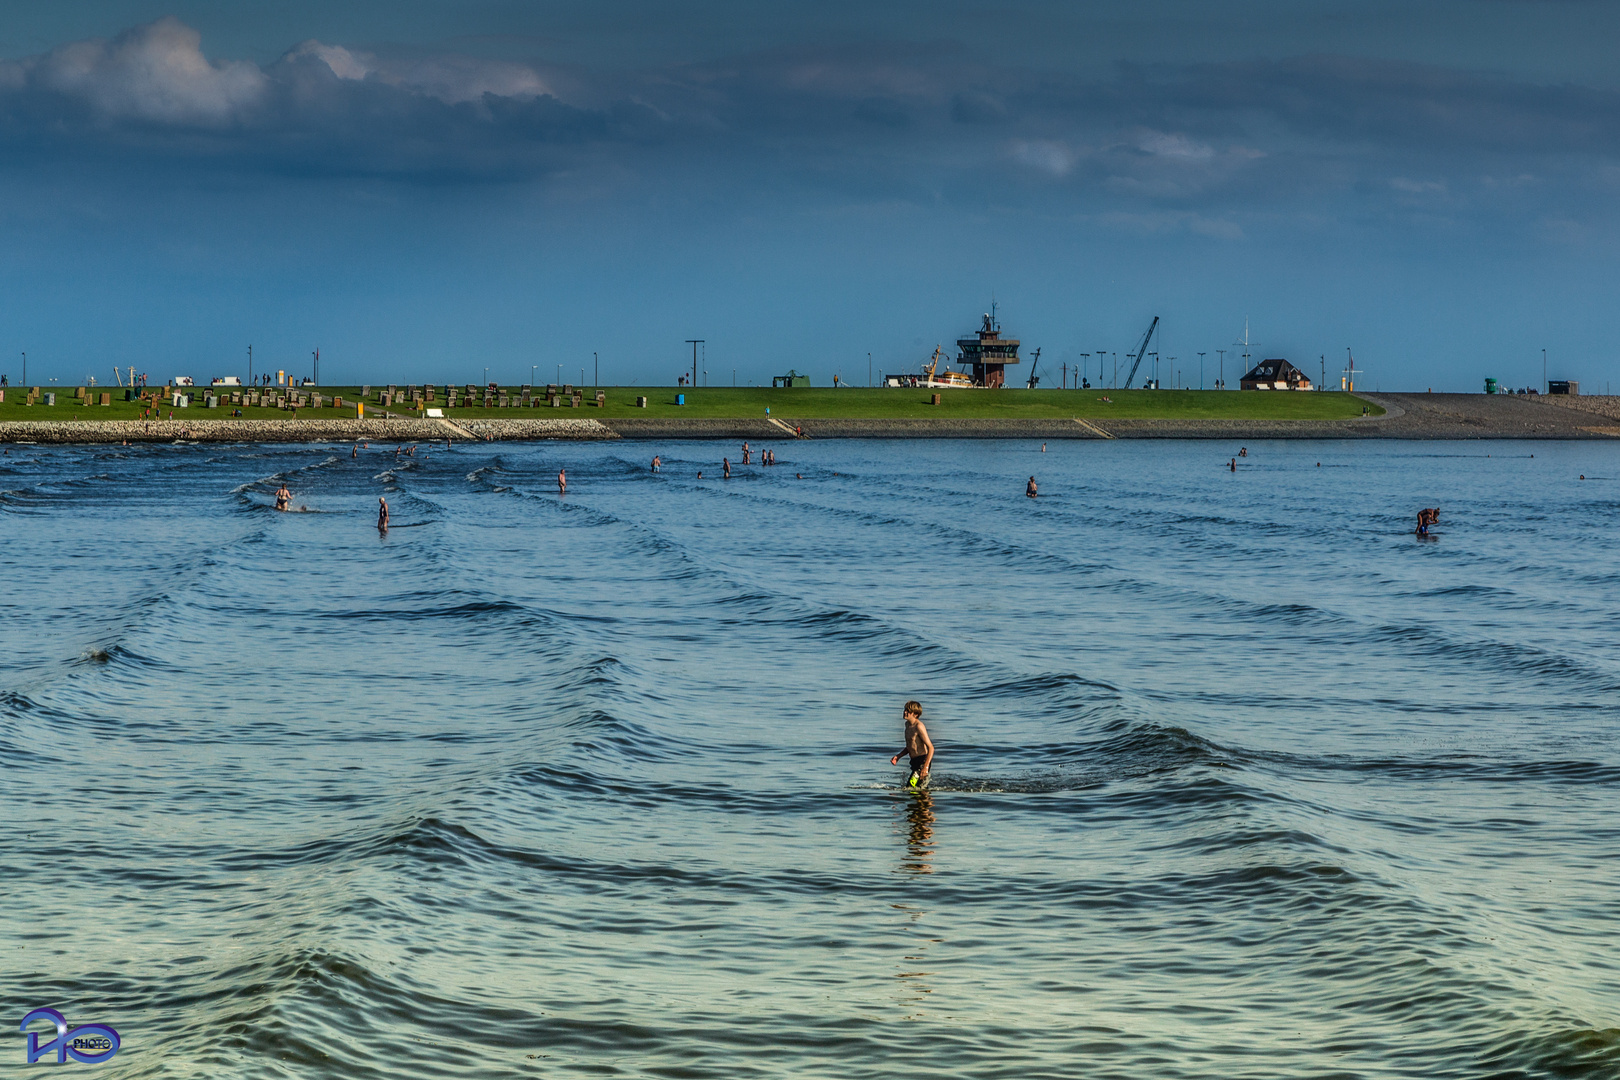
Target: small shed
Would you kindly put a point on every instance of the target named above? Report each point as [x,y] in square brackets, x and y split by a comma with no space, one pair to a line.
[792,378]
[1564,386]
[1275,375]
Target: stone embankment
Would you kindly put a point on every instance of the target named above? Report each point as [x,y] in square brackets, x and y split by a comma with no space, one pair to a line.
[1601,406]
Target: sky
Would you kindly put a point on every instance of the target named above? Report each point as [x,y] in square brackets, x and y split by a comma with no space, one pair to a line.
[491,189]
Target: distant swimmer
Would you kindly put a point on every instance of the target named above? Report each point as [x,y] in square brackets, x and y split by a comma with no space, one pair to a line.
[1233,464]
[356,452]
[658,463]
[725,463]
[1043,448]
[1030,489]
[382,514]
[918,746]
[1243,451]
[562,482]
[283,497]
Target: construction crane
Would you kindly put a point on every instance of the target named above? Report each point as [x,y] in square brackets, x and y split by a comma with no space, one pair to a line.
[1034,379]
[1141,350]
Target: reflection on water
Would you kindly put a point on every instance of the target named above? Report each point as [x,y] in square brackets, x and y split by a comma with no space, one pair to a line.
[919,827]
[920,833]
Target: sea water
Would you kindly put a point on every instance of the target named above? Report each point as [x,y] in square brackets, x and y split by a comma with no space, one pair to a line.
[1236,776]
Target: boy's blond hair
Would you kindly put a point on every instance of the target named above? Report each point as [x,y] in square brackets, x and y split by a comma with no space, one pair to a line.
[914,708]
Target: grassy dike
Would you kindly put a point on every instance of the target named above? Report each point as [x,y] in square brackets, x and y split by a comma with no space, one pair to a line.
[801,403]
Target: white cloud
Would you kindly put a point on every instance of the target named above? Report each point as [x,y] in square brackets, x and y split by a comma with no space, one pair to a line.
[452,79]
[1160,144]
[343,63]
[154,72]
[1044,154]
[1418,187]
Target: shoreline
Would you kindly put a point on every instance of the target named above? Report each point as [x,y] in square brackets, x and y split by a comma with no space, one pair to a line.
[1407,416]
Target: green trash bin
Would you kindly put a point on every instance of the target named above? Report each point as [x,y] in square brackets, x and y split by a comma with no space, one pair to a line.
[1490,386]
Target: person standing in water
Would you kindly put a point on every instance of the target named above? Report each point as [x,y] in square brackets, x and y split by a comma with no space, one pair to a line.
[1030,489]
[726,464]
[283,497]
[658,463]
[918,745]
[562,481]
[382,514]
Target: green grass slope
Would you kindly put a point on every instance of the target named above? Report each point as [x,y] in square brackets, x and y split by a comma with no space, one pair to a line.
[803,403]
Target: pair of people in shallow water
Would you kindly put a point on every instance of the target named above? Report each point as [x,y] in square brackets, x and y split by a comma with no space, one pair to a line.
[1426,517]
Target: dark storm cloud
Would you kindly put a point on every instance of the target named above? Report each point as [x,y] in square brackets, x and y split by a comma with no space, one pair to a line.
[926,121]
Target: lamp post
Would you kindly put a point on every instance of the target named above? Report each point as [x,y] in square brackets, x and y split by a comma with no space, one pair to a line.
[1544,383]
[1220,380]
[596,372]
[250,365]
[532,369]
[25,372]
[1200,371]
[869,370]
[694,342]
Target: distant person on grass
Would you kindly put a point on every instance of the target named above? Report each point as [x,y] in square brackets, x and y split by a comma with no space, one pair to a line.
[918,746]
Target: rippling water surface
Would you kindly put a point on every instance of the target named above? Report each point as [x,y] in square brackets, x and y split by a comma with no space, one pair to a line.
[1236,777]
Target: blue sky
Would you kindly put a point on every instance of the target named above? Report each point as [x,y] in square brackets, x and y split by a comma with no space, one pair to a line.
[426,189]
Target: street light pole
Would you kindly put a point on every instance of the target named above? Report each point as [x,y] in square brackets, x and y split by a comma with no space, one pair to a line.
[250,365]
[1200,371]
[694,342]
[25,373]
[1544,382]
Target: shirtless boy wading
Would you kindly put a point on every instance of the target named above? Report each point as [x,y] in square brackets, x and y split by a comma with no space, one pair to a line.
[918,745]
